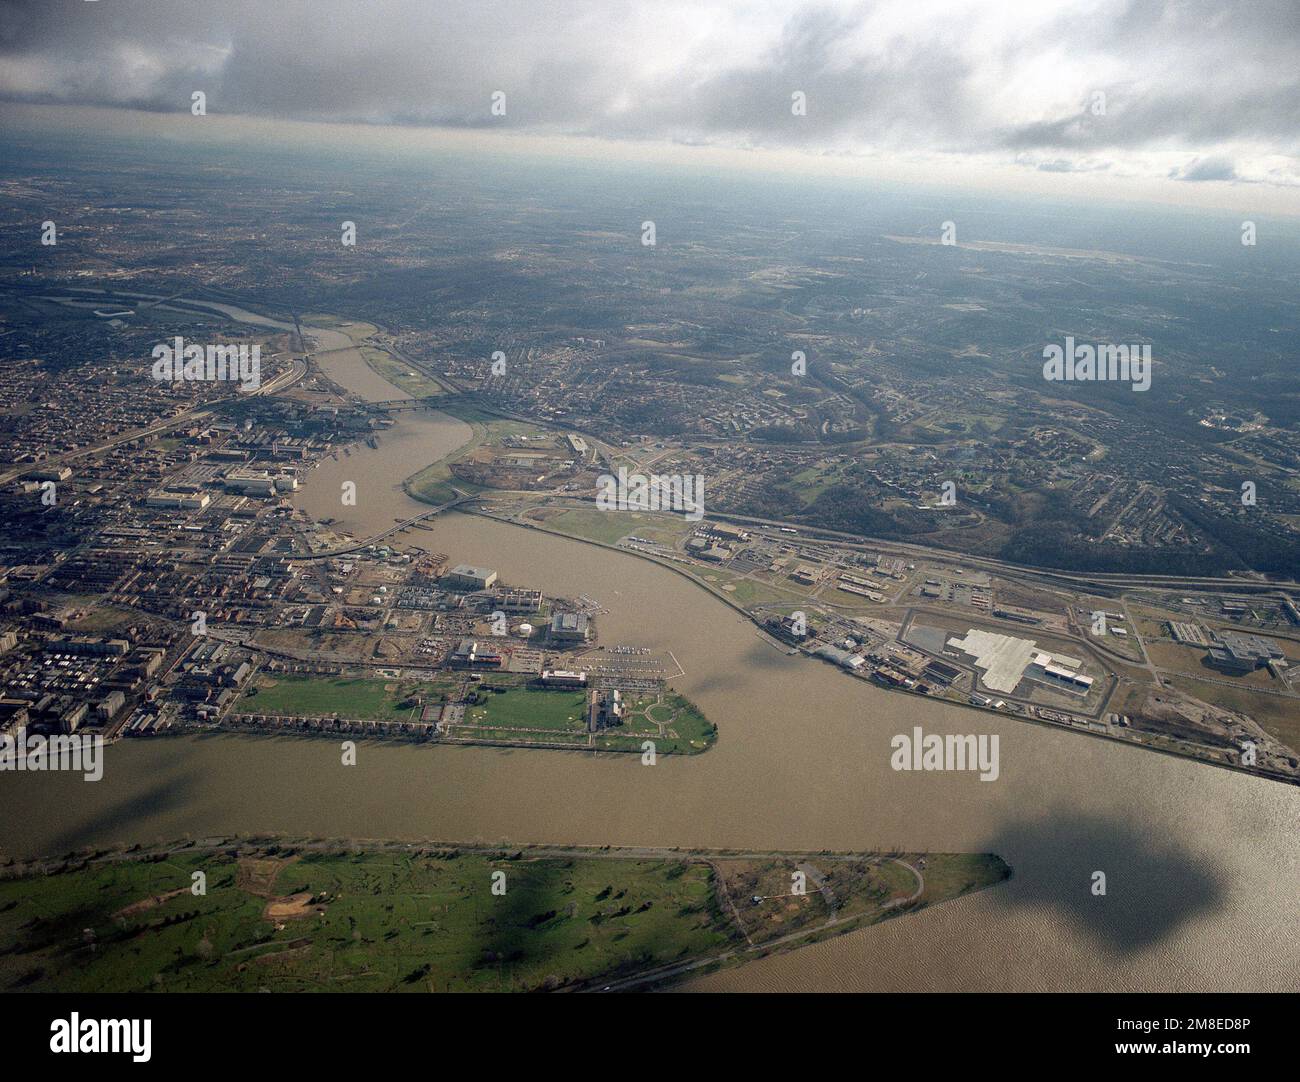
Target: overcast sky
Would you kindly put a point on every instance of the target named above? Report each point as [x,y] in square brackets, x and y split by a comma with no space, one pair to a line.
[1197,93]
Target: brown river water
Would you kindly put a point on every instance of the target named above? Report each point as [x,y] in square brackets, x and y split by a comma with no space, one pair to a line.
[1202,865]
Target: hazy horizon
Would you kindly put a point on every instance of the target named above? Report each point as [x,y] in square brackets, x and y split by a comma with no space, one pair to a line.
[1181,102]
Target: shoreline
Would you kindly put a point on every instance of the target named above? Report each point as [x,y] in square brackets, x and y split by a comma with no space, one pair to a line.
[695,915]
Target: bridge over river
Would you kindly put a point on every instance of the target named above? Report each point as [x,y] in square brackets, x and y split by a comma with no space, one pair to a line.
[397,527]
[429,402]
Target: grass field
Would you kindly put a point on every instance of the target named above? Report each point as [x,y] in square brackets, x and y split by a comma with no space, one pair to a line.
[355,330]
[752,592]
[673,722]
[358,698]
[529,708]
[810,483]
[610,526]
[527,715]
[688,729]
[400,375]
[532,715]
[397,919]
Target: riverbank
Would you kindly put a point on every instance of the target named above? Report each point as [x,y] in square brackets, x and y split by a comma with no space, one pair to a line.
[314,915]
[1125,736]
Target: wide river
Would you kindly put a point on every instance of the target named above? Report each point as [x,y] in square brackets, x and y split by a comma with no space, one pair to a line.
[1202,866]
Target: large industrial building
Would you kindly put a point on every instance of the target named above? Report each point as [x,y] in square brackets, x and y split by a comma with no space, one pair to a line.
[469,577]
[1051,670]
[178,501]
[1240,654]
[250,483]
[470,655]
[519,601]
[1006,660]
[570,627]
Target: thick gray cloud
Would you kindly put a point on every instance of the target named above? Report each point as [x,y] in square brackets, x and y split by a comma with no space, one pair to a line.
[1200,80]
